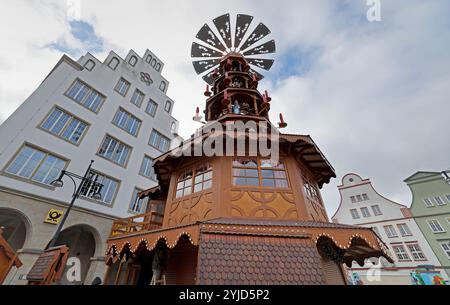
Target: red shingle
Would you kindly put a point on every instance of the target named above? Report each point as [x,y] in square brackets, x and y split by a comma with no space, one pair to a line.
[258,260]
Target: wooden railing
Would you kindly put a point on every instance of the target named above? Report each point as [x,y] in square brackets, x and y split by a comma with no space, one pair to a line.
[143,222]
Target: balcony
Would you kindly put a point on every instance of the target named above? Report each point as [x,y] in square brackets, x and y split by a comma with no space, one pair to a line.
[135,224]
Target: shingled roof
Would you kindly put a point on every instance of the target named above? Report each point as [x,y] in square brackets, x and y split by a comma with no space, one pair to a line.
[258,260]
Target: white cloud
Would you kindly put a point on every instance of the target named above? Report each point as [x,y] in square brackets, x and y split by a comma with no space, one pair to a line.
[373,96]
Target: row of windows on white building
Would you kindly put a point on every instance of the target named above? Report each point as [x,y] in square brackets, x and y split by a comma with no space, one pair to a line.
[434,225]
[114,63]
[366,212]
[37,165]
[359,198]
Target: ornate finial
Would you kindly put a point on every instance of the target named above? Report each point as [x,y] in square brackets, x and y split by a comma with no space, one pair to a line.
[197,117]
[207,92]
[282,123]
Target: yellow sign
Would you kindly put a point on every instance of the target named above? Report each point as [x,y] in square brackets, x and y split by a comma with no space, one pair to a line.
[53,216]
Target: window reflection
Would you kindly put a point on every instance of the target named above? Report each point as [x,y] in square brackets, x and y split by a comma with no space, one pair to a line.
[259,172]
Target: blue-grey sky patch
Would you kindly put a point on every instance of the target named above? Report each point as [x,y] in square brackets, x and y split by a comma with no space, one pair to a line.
[86,40]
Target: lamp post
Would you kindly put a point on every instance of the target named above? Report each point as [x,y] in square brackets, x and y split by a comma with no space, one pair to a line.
[86,183]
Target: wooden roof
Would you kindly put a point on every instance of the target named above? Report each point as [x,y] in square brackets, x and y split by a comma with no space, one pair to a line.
[358,243]
[304,148]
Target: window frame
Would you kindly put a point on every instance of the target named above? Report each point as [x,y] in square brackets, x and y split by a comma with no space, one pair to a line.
[159,141]
[260,177]
[136,90]
[130,149]
[438,199]
[417,251]
[354,213]
[447,244]
[435,221]
[111,60]
[376,210]
[429,203]
[88,62]
[134,198]
[29,179]
[401,229]
[114,196]
[388,232]
[170,106]
[133,57]
[365,212]
[151,177]
[129,116]
[88,93]
[195,172]
[405,253]
[65,126]
[163,84]
[117,85]
[151,102]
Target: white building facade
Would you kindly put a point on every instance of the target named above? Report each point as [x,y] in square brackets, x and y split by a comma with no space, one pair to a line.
[362,205]
[114,112]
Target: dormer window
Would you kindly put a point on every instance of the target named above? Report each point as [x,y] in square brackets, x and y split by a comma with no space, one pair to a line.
[132,61]
[168,106]
[162,86]
[113,63]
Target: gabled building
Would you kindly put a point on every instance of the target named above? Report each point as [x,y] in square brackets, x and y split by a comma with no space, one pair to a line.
[430,208]
[362,205]
[115,112]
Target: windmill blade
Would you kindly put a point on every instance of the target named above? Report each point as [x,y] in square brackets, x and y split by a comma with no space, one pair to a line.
[259,75]
[259,33]
[209,78]
[266,48]
[242,24]
[198,50]
[207,35]
[223,26]
[204,65]
[265,64]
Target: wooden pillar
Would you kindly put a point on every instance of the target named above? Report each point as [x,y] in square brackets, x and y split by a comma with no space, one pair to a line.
[116,281]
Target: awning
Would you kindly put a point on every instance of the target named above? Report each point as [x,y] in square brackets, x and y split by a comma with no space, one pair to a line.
[354,243]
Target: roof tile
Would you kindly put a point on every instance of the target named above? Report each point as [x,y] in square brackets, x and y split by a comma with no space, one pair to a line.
[258,260]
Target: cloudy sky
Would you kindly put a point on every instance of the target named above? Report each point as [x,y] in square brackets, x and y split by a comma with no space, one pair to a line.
[373,95]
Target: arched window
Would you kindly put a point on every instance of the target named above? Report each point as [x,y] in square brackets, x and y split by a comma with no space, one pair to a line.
[162,86]
[132,61]
[89,65]
[113,63]
[173,127]
[168,106]
[153,64]
[158,67]
[149,58]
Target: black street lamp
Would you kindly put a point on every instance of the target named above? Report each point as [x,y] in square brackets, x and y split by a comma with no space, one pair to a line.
[87,183]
